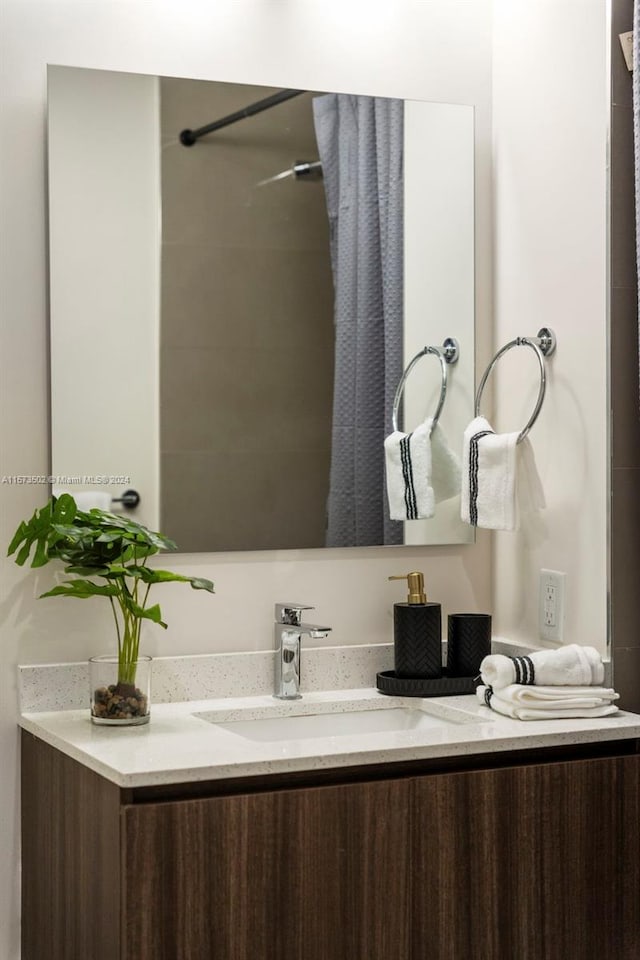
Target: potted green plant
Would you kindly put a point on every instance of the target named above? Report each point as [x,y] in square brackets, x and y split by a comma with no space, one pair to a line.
[99,546]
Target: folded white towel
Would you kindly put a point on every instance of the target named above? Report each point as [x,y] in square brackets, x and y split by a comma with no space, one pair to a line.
[499,478]
[556,698]
[509,706]
[572,665]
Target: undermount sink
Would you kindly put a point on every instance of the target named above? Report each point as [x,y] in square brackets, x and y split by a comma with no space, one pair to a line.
[334,725]
[307,722]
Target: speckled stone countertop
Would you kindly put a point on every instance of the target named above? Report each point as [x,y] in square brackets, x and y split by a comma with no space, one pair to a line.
[180,745]
[195,702]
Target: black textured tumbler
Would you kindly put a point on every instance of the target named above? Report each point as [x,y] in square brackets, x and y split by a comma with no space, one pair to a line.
[468,643]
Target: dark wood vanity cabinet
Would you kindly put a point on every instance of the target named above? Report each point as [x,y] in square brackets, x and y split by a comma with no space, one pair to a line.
[511,858]
[530,862]
[311,873]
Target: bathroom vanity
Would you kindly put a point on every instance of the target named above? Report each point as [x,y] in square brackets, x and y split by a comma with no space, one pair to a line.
[429,830]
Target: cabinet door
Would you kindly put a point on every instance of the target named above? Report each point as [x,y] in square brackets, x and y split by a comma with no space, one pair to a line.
[528,863]
[308,874]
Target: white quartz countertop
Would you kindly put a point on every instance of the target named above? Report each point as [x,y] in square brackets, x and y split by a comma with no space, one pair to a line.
[179,746]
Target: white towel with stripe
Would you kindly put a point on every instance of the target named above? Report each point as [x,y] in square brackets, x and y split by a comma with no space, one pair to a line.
[421,471]
[572,665]
[500,478]
[548,703]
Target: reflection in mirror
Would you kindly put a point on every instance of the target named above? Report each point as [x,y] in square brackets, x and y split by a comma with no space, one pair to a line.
[230,319]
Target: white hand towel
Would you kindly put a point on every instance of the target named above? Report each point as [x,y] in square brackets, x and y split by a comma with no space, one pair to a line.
[408,469]
[499,478]
[529,492]
[422,470]
[572,665]
[552,711]
[445,467]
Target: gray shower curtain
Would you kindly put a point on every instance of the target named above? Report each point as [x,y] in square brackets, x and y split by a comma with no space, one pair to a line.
[360,140]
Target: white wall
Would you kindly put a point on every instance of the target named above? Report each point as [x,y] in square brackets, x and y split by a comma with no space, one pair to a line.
[550,153]
[439,284]
[438,50]
[104,242]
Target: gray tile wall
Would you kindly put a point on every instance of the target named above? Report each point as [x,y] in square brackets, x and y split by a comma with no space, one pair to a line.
[246,359]
[625,392]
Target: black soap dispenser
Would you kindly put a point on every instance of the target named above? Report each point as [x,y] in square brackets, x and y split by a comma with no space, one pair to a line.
[417,631]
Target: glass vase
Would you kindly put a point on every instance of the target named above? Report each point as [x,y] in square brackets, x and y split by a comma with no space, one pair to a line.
[115,702]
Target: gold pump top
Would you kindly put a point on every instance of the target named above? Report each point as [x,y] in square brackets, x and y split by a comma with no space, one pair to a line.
[416,586]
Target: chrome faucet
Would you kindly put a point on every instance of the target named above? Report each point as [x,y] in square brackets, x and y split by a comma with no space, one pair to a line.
[288,631]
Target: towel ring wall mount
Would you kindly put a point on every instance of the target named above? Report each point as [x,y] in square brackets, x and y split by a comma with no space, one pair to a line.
[447,353]
[543,345]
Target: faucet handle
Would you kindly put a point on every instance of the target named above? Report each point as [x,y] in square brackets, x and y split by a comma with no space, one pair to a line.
[291,613]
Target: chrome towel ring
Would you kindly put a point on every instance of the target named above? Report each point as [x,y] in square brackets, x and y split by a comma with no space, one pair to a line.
[543,346]
[447,353]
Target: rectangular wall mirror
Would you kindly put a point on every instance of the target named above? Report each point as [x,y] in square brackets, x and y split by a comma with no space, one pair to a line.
[230,319]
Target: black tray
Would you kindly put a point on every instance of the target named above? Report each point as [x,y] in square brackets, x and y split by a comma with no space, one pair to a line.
[444,686]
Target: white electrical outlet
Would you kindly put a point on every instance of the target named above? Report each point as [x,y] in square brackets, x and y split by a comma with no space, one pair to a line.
[551,605]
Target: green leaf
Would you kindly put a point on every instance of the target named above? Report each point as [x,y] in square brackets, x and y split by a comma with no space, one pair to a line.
[108,537]
[151,575]
[41,556]
[64,509]
[138,552]
[199,583]
[144,613]
[153,613]
[116,570]
[88,571]
[42,518]
[162,543]
[81,589]
[24,553]
[70,532]
[18,537]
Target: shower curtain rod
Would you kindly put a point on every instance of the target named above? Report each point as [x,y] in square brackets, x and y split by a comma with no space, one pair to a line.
[189,137]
